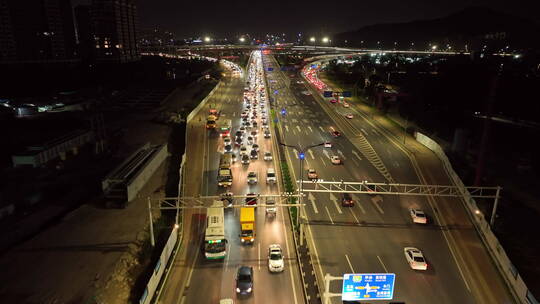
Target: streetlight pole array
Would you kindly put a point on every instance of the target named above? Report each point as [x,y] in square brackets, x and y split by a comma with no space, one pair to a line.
[301,157]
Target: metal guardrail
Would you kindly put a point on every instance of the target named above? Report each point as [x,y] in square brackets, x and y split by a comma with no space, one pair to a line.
[282,155]
[154,297]
[495,250]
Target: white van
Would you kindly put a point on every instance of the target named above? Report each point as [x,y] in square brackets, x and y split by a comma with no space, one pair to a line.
[271,176]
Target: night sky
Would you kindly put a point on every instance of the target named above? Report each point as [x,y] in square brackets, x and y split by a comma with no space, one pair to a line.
[228,18]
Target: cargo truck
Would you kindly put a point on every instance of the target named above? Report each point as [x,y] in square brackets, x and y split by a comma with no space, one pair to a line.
[247,225]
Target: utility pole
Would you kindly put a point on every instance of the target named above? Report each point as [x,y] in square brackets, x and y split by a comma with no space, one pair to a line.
[300,212]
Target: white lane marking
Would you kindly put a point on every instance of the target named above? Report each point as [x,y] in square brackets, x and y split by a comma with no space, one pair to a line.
[356,154]
[294,131]
[331,221]
[325,152]
[364,131]
[310,129]
[284,231]
[355,198]
[354,215]
[376,203]
[192,268]
[350,264]
[311,198]
[288,253]
[298,128]
[259,262]
[234,114]
[228,255]
[323,161]
[334,199]
[311,154]
[380,260]
[356,162]
[341,154]
[295,153]
[321,129]
[286,128]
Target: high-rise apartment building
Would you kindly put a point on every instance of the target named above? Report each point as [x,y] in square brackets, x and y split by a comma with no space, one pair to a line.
[36,31]
[114,30]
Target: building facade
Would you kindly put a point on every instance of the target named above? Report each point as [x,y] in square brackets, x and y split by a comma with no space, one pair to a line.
[36,31]
[114,30]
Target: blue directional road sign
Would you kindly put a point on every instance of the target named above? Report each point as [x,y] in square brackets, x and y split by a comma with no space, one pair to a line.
[328,93]
[313,66]
[368,286]
[270,69]
[346,94]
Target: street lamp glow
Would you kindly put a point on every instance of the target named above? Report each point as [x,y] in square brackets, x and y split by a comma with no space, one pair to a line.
[434,47]
[242,39]
[312,39]
[206,39]
[325,40]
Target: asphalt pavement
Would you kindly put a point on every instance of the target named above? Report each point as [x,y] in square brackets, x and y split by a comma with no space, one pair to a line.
[210,281]
[370,236]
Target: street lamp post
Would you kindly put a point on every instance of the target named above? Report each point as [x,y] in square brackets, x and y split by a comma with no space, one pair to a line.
[301,156]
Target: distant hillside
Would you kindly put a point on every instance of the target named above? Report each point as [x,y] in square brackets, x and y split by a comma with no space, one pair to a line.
[473,26]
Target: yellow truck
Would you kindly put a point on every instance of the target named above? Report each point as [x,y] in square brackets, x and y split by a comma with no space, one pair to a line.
[247,225]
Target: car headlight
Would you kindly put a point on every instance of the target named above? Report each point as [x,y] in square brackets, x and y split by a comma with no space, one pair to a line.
[242,240]
[252,239]
[237,289]
[249,289]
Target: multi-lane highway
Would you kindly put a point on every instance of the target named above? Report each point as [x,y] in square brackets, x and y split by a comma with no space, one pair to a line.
[370,236]
[209,281]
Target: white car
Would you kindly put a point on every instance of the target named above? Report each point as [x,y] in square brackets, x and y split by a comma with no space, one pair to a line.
[267,133]
[271,177]
[275,258]
[255,147]
[271,208]
[267,155]
[346,105]
[245,159]
[349,116]
[336,160]
[243,150]
[328,144]
[252,178]
[415,258]
[226,140]
[250,140]
[418,216]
